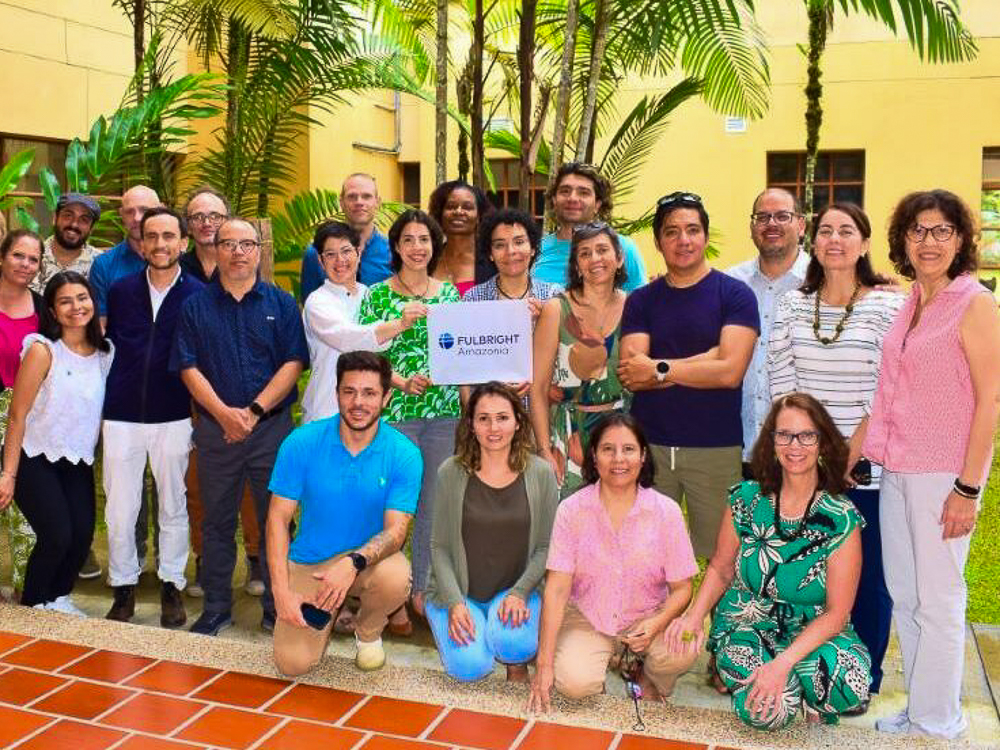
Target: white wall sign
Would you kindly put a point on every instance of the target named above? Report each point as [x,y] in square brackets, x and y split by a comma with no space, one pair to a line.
[473,342]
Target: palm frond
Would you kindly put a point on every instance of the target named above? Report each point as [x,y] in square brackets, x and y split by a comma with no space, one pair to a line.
[933,27]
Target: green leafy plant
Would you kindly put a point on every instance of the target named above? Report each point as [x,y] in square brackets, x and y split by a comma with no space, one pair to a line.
[11,174]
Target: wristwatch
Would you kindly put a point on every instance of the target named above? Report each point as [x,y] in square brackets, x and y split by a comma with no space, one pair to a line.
[256,409]
[359,560]
[662,368]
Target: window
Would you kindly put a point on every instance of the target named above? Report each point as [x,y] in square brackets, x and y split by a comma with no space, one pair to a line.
[840,176]
[410,172]
[989,210]
[508,194]
[51,154]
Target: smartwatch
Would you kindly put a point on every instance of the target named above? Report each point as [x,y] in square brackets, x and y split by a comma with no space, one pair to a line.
[662,368]
[256,409]
[359,560]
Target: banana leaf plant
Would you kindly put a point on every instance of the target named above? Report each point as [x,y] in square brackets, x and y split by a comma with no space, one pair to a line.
[11,174]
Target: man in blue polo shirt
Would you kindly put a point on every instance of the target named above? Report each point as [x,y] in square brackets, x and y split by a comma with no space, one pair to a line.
[360,202]
[356,481]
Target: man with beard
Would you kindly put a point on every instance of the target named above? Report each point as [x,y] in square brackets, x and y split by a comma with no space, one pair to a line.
[776,228]
[67,249]
[357,481]
[147,414]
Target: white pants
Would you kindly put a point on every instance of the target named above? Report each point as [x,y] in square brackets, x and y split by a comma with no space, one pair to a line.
[925,575]
[126,446]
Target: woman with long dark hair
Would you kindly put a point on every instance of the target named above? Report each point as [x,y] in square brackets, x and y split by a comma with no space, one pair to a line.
[458,207]
[54,423]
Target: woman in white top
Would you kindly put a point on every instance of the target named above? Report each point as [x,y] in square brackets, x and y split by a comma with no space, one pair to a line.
[330,317]
[54,423]
[827,341]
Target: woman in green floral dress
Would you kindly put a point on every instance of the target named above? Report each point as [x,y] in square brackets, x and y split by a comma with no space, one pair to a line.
[424,412]
[576,346]
[784,576]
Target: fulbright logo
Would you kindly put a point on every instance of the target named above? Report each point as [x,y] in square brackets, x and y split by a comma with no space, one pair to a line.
[446,340]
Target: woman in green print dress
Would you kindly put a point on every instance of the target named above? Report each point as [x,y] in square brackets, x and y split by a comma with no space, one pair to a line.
[424,412]
[784,575]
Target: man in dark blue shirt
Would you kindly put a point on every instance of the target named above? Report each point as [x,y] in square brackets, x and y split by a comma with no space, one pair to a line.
[240,348]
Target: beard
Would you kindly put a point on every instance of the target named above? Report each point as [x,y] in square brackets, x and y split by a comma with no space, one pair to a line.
[67,243]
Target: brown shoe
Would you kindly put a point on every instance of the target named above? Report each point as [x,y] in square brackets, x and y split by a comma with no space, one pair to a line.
[124,604]
[172,614]
[401,626]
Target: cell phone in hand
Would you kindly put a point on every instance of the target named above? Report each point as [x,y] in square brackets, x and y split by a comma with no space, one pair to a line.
[862,472]
[314,616]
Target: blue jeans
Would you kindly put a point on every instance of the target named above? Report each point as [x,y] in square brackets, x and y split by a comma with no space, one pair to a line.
[872,612]
[493,639]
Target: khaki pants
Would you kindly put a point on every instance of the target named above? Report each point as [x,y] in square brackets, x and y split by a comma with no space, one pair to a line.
[582,656]
[382,589]
[702,477]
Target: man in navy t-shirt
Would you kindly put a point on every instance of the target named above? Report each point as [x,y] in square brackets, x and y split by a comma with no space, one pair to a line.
[356,481]
[687,339]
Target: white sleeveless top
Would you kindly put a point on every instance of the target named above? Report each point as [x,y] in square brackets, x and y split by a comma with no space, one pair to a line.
[65,420]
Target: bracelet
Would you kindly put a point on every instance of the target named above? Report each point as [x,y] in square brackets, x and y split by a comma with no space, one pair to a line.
[967,491]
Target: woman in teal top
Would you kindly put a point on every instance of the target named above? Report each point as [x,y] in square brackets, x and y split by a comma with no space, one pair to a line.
[424,412]
[783,578]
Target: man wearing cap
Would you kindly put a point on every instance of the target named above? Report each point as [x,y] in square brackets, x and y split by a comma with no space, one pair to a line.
[67,249]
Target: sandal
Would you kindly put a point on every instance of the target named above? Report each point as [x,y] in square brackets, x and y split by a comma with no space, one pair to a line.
[714,680]
[403,628]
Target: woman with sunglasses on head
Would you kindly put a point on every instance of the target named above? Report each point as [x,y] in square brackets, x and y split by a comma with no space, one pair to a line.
[424,412]
[827,341]
[54,422]
[782,581]
[458,207]
[620,569]
[492,520]
[576,346]
[931,429]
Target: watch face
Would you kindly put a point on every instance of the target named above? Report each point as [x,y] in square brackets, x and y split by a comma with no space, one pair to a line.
[662,368]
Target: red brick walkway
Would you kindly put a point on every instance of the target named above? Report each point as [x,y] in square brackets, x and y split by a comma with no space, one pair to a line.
[59,695]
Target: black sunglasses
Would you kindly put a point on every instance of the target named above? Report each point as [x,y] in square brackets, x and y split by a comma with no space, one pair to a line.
[679,197]
[592,226]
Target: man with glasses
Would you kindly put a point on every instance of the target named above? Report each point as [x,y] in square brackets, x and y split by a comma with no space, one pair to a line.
[776,228]
[240,348]
[67,249]
[360,202]
[579,195]
[687,339]
[206,209]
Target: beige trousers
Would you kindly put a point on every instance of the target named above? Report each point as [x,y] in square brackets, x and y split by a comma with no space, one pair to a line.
[382,589]
[582,656]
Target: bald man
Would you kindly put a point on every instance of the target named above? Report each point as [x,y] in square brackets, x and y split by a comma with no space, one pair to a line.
[126,257]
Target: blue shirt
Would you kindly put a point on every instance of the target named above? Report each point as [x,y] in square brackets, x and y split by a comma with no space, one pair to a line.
[111,265]
[239,346]
[343,498]
[552,264]
[375,265]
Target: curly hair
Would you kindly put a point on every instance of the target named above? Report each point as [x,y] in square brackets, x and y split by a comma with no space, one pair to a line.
[955,211]
[863,270]
[467,450]
[602,187]
[485,267]
[647,472]
[833,449]
[587,232]
[416,216]
[439,199]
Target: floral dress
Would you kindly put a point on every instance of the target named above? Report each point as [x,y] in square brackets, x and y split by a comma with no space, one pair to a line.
[20,536]
[778,589]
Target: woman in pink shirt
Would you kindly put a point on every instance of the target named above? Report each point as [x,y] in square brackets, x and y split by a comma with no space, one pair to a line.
[931,429]
[619,570]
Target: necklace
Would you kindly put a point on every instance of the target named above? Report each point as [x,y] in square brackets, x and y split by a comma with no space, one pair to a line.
[824,340]
[522,295]
[802,522]
[413,293]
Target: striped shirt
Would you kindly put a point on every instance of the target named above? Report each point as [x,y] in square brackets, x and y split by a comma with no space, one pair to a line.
[487,291]
[842,375]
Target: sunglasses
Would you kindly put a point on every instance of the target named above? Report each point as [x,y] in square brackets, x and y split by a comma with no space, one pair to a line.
[679,197]
[630,668]
[593,226]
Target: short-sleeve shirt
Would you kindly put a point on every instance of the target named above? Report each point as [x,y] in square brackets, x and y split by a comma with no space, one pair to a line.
[239,345]
[49,266]
[342,497]
[552,264]
[682,322]
[620,576]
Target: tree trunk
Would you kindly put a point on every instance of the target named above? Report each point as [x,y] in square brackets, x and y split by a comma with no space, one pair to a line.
[441,95]
[587,119]
[526,71]
[139,45]
[819,20]
[478,32]
[237,63]
[463,93]
[565,92]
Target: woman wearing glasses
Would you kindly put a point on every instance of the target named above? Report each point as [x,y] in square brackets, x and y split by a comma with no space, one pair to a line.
[424,412]
[827,341]
[783,578]
[931,429]
[458,207]
[576,348]
[619,570]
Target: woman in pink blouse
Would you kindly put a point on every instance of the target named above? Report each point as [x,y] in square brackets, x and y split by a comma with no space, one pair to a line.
[931,429]
[619,570]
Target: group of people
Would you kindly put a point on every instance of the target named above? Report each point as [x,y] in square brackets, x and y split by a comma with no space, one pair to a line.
[827,434]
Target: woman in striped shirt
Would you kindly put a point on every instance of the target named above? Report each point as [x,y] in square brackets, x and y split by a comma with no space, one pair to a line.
[827,342]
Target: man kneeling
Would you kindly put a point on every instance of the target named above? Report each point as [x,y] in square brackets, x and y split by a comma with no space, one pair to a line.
[357,481]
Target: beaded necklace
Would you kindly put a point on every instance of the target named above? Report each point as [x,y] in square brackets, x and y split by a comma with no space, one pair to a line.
[824,340]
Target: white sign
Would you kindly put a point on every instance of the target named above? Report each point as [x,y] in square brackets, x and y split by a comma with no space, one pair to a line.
[736,125]
[474,342]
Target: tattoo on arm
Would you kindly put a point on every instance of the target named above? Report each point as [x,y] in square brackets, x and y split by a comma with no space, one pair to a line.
[385,543]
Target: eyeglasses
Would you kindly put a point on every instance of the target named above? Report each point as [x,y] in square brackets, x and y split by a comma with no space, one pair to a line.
[806,438]
[940,232]
[212,218]
[763,218]
[679,197]
[245,246]
[337,254]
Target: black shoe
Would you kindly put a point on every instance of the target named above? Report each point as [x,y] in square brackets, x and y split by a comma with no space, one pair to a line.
[212,623]
[172,613]
[859,710]
[267,622]
[91,568]
[124,605]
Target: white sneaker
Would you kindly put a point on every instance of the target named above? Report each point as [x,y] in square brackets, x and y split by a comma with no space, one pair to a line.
[40,605]
[898,723]
[65,605]
[370,656]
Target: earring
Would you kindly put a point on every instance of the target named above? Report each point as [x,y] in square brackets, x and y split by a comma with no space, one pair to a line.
[821,462]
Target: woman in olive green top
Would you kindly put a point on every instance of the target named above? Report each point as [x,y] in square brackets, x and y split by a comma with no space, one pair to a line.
[494,508]
[424,412]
